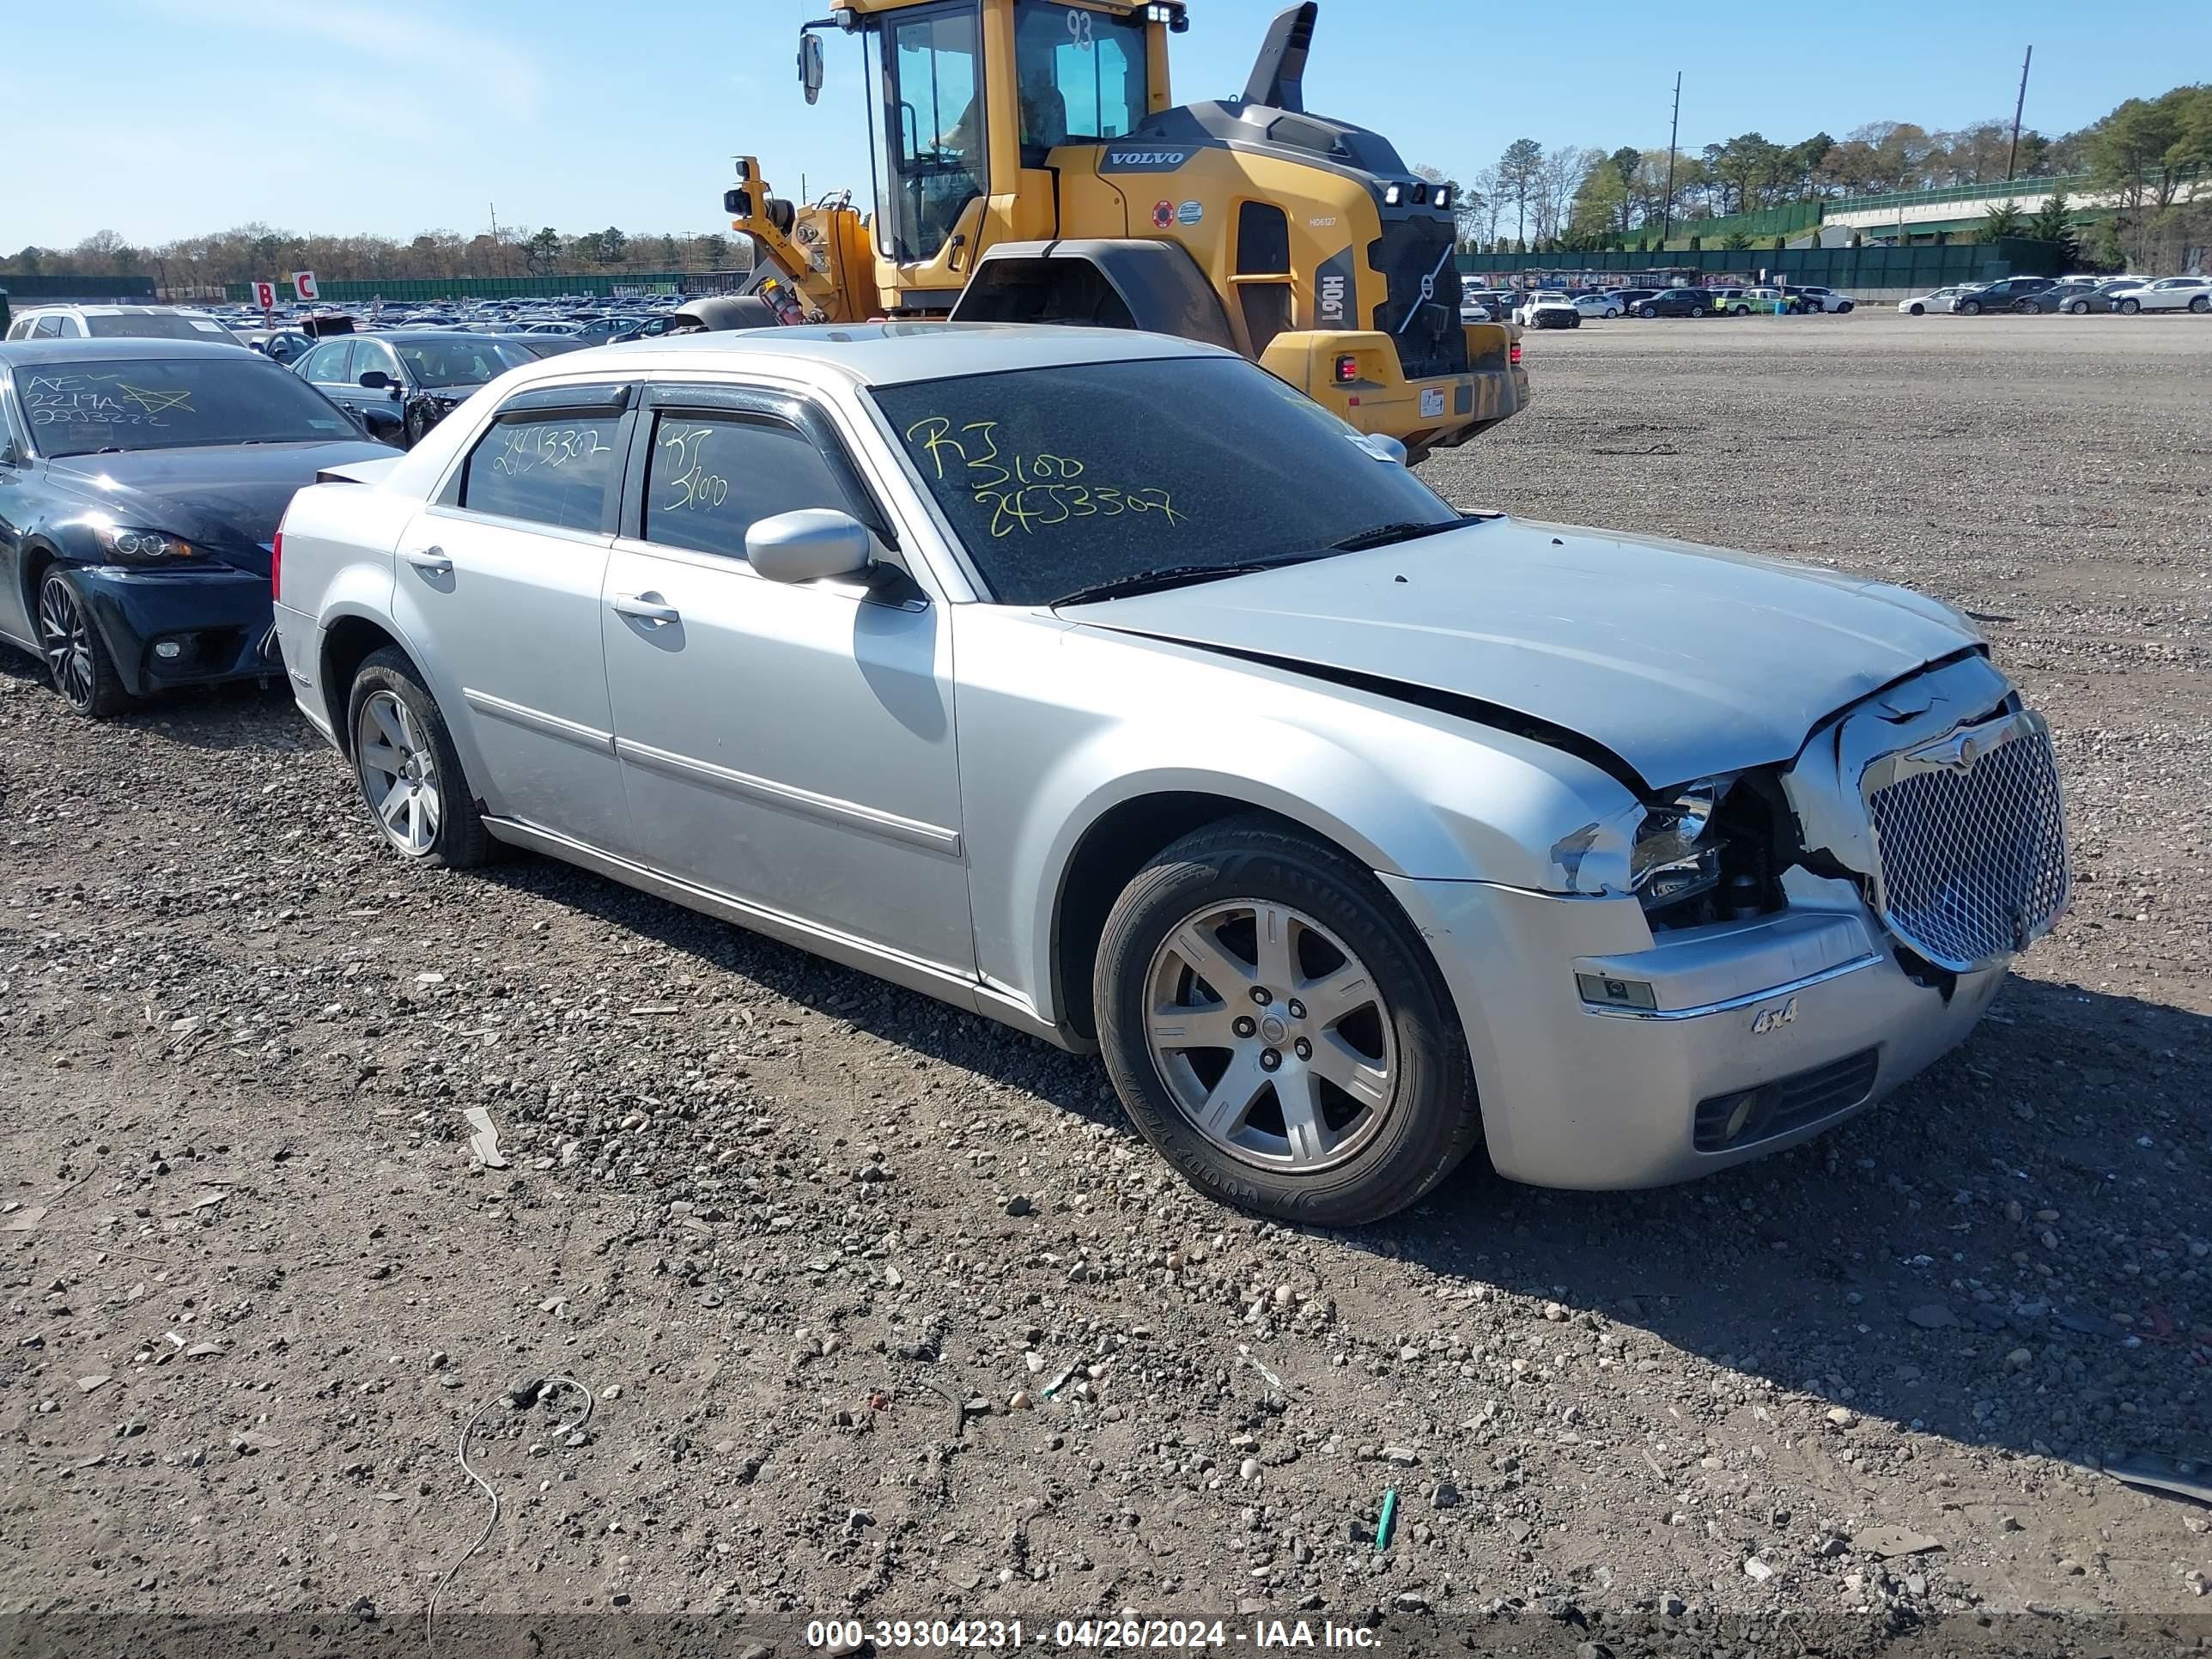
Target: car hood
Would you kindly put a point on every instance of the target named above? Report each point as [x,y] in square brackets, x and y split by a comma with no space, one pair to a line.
[1682,661]
[225,499]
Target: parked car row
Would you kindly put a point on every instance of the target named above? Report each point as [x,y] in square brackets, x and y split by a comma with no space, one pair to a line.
[2076,296]
[699,616]
[1545,307]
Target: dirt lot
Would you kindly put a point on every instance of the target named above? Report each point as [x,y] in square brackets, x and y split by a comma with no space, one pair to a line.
[779,1219]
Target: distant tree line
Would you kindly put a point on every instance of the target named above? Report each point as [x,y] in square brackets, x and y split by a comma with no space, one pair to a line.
[2144,152]
[255,250]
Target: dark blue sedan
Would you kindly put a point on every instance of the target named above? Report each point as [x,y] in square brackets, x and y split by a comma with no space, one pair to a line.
[141,485]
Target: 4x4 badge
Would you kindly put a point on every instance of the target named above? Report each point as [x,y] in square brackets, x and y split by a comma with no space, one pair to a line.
[1773,1019]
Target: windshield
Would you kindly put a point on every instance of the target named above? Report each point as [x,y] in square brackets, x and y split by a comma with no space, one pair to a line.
[174,404]
[470,362]
[1061,479]
[157,325]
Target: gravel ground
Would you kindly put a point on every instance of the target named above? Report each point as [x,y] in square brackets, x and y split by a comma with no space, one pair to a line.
[782,1222]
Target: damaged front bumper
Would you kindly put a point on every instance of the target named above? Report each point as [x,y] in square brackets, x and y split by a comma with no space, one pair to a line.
[1604,1060]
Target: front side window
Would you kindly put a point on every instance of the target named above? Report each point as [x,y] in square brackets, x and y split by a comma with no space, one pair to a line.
[175,402]
[927,67]
[1081,76]
[1063,478]
[374,357]
[326,364]
[713,477]
[556,467]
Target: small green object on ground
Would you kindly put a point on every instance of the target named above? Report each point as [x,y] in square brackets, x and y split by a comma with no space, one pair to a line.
[1387,1522]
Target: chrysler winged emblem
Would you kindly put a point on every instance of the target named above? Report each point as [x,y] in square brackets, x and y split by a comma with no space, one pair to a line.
[1956,753]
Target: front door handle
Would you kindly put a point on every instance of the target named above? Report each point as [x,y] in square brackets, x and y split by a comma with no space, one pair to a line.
[431,562]
[646,608]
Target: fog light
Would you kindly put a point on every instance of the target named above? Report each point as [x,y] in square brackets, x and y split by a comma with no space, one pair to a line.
[1739,1119]
[168,650]
[1609,992]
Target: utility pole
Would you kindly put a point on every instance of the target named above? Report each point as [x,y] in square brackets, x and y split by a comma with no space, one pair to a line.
[497,262]
[2012,157]
[1673,135]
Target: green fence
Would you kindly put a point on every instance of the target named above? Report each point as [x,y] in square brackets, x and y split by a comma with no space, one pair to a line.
[413,289]
[47,290]
[1846,268]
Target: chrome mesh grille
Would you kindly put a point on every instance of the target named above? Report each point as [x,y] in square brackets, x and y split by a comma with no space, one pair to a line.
[1973,855]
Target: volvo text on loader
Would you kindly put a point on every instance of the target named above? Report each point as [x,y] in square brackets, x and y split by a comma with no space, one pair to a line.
[1030,167]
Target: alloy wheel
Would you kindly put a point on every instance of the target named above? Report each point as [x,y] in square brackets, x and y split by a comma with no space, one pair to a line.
[1271,1037]
[398,773]
[65,641]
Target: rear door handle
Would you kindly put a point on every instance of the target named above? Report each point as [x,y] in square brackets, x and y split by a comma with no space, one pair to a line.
[646,608]
[431,562]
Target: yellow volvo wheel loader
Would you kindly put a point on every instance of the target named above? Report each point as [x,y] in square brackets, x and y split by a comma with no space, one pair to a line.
[1029,166]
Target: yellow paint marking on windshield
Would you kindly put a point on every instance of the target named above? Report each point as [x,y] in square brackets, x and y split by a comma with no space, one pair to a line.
[157,403]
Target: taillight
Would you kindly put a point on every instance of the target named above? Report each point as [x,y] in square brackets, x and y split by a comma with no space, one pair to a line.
[1514,354]
[276,565]
[1347,370]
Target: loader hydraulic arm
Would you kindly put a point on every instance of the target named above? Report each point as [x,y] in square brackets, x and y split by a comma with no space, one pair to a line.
[821,251]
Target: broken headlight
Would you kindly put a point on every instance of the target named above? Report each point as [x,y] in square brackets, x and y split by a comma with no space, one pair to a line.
[1676,855]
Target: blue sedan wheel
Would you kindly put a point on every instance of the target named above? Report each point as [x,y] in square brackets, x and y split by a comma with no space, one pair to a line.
[75,656]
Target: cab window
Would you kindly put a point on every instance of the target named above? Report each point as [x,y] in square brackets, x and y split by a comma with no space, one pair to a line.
[1081,76]
[925,64]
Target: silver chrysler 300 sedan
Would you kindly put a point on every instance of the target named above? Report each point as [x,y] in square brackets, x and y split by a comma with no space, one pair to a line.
[1101,684]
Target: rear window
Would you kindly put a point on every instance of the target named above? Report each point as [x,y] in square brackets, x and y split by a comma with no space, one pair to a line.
[174,404]
[158,326]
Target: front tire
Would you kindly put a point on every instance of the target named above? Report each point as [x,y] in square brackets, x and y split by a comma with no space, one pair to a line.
[1919,311]
[409,775]
[75,656]
[2079,308]
[1648,312]
[2130,307]
[1277,1030]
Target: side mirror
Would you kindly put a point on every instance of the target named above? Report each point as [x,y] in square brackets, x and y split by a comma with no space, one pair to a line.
[375,381]
[810,65]
[809,544]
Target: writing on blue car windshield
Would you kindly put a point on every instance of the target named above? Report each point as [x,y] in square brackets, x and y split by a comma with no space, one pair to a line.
[172,404]
[1077,476]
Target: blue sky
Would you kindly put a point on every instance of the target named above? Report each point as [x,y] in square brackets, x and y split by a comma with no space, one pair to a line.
[393,116]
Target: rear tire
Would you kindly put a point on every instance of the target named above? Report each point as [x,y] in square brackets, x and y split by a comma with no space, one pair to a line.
[408,771]
[1247,1118]
[2201,304]
[1697,311]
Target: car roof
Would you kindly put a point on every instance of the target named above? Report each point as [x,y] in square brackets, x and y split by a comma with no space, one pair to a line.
[128,347]
[109,310]
[874,354]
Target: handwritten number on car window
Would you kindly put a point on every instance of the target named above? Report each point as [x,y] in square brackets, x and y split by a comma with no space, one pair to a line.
[1026,492]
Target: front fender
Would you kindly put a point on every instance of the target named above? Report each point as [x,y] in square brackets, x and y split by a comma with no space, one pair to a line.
[1408,790]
